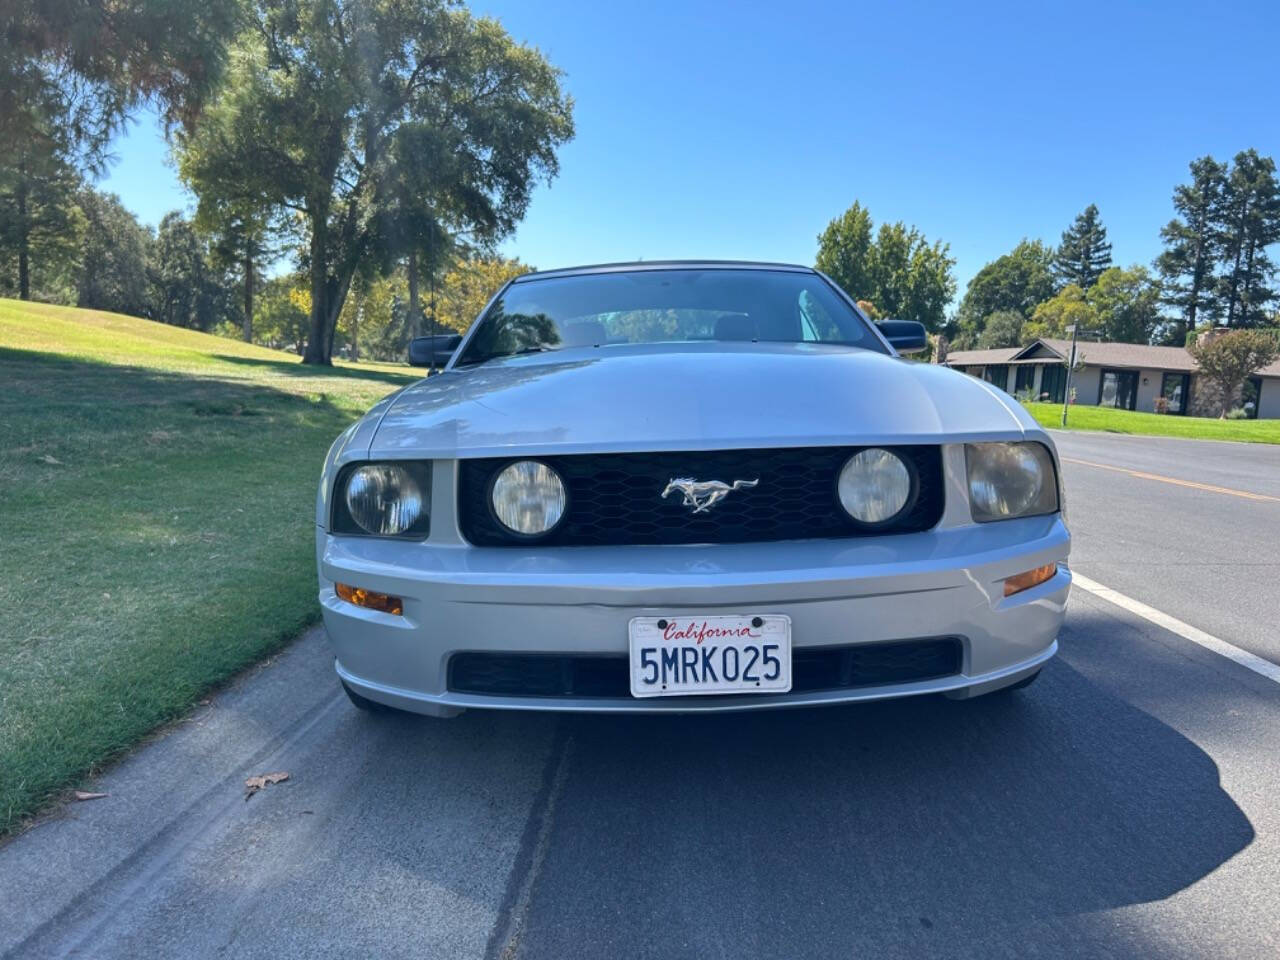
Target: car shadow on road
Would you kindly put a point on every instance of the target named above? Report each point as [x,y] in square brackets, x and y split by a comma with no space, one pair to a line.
[740,833]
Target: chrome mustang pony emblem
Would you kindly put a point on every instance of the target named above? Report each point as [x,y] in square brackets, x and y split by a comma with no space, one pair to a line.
[702,495]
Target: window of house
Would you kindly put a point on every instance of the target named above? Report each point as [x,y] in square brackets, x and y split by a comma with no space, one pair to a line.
[1249,397]
[1053,383]
[1176,389]
[1025,378]
[1119,389]
[997,375]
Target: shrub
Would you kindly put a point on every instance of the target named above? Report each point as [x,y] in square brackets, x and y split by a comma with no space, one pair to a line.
[1162,405]
[1237,414]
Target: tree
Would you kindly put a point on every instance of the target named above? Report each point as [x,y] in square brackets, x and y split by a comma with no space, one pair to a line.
[1249,222]
[39,221]
[1084,252]
[1228,359]
[1052,317]
[904,275]
[1126,305]
[419,216]
[845,252]
[1003,329]
[913,277]
[377,321]
[469,285]
[243,234]
[1191,244]
[188,290]
[282,311]
[1018,282]
[113,256]
[244,228]
[319,95]
[99,60]
[38,217]
[176,271]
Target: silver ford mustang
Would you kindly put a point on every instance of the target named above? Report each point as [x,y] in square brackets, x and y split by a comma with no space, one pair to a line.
[687,487]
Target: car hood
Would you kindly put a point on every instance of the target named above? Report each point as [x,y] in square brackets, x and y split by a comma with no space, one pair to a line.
[690,397]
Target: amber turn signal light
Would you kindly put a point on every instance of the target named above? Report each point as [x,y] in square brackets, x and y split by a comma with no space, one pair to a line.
[1032,578]
[370,598]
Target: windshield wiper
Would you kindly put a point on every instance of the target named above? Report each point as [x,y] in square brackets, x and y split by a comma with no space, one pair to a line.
[500,356]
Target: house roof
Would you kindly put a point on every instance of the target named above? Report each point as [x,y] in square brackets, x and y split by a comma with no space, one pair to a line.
[976,358]
[1139,355]
[1131,355]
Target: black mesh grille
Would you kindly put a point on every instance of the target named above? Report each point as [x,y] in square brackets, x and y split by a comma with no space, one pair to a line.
[825,668]
[617,498]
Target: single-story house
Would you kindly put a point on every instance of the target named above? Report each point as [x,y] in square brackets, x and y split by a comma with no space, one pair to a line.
[1130,376]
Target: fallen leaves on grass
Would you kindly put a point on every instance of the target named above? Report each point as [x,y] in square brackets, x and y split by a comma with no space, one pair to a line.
[85,795]
[254,784]
[54,461]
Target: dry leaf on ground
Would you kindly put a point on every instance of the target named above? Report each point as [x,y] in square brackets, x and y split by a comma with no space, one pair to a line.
[84,795]
[254,784]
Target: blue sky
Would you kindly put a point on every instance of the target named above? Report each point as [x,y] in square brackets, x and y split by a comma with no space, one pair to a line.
[738,130]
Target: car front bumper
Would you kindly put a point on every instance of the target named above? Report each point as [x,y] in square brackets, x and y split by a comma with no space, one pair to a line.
[580,600]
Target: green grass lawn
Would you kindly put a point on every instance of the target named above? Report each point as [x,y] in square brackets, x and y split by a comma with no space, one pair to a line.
[1155,424]
[157,491]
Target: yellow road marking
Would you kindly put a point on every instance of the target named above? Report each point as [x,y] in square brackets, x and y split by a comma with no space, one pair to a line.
[1210,488]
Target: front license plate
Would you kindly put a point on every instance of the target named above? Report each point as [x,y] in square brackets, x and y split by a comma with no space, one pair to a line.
[686,655]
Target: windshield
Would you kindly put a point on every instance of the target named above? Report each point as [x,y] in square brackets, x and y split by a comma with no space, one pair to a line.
[664,306]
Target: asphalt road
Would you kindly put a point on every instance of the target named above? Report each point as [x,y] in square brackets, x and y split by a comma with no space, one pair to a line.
[1124,805]
[1208,557]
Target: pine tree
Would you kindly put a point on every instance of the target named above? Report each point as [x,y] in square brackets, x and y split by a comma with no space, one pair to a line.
[1084,252]
[1248,222]
[38,217]
[243,236]
[1191,245]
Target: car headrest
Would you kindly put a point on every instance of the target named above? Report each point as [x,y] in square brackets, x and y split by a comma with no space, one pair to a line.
[587,333]
[735,326]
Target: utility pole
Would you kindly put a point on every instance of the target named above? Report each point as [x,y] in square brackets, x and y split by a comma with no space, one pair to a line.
[1071,366]
[1075,330]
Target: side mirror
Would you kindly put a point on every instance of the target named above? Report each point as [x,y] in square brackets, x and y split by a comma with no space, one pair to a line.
[905,336]
[433,351]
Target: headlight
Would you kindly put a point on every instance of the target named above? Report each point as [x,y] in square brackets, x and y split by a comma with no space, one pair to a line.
[1008,480]
[875,486]
[384,499]
[528,498]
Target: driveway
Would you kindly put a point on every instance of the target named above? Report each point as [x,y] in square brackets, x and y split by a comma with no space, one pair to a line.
[1123,805]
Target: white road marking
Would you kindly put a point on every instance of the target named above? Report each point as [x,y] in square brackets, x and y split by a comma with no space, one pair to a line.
[1243,657]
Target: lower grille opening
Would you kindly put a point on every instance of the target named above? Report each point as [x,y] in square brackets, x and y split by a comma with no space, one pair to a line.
[583,675]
